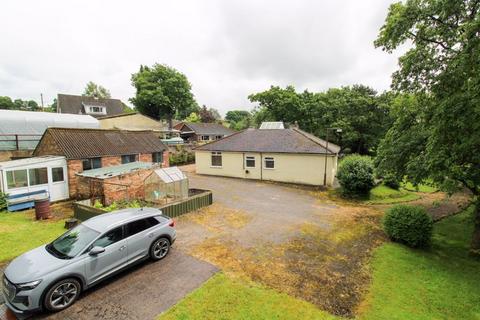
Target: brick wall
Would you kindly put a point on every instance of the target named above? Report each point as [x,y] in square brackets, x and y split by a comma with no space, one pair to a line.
[128,186]
[73,166]
[166,160]
[47,147]
[145,157]
[111,161]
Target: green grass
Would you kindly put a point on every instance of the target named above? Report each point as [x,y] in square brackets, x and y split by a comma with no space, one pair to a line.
[420,188]
[19,232]
[442,282]
[224,298]
[382,194]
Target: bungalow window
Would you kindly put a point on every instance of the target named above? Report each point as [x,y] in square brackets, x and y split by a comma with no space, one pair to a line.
[157,157]
[129,158]
[218,137]
[92,163]
[38,176]
[205,138]
[216,159]
[17,178]
[269,163]
[57,174]
[250,162]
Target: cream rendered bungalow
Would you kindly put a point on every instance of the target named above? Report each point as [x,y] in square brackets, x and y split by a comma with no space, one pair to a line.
[284,155]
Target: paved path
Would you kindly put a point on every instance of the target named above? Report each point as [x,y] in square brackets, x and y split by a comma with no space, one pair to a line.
[142,292]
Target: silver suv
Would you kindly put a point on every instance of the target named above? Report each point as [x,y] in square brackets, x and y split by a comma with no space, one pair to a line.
[53,275]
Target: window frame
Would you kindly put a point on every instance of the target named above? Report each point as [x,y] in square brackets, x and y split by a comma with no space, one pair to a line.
[157,153]
[63,174]
[269,159]
[135,155]
[126,231]
[216,154]
[29,180]
[122,237]
[91,161]
[250,158]
[12,172]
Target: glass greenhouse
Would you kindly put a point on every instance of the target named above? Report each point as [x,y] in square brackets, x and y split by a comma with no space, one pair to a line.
[166,185]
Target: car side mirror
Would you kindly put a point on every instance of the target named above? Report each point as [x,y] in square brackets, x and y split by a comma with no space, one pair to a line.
[96,250]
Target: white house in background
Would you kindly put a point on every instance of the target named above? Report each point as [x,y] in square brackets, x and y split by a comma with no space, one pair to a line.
[46,173]
[272,153]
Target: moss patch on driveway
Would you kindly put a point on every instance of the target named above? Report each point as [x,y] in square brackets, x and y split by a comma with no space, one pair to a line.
[324,266]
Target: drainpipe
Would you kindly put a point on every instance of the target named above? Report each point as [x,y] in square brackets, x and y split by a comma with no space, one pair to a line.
[261,166]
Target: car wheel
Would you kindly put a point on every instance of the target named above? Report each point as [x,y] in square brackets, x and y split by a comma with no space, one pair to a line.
[159,249]
[62,295]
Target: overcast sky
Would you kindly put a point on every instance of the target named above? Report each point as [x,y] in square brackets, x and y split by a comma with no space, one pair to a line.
[227,49]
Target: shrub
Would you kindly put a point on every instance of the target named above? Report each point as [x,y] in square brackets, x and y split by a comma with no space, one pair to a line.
[391,181]
[3,200]
[181,158]
[410,225]
[355,175]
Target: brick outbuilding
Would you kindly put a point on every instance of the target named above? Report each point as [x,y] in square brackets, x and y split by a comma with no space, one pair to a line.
[87,149]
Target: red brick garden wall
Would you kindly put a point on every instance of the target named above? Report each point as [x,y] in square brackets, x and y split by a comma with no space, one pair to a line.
[75,166]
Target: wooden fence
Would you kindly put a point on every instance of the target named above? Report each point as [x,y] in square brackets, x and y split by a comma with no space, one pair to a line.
[202,198]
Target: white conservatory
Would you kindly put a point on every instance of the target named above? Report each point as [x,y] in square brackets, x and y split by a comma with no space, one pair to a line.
[25,179]
[21,130]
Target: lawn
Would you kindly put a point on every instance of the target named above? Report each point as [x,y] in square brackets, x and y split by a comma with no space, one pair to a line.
[440,283]
[382,194]
[420,188]
[222,297]
[19,232]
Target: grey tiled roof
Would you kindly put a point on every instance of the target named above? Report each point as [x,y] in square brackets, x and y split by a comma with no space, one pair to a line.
[206,128]
[68,103]
[272,140]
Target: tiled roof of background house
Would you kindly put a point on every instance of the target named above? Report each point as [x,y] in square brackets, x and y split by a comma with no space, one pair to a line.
[89,143]
[74,104]
[208,128]
[272,140]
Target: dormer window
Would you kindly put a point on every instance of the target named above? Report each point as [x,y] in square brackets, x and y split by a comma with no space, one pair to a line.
[89,109]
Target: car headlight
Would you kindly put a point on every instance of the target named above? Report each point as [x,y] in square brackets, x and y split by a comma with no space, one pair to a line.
[28,285]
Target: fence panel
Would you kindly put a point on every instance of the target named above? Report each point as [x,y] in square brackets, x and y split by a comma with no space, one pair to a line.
[84,211]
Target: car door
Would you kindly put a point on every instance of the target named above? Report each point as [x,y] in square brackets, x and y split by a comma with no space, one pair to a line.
[113,258]
[139,235]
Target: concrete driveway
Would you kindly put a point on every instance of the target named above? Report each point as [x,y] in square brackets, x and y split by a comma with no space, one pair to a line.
[142,292]
[290,238]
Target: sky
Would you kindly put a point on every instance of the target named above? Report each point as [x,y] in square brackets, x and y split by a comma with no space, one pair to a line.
[227,49]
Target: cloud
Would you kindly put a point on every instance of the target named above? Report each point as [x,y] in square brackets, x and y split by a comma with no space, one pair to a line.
[227,49]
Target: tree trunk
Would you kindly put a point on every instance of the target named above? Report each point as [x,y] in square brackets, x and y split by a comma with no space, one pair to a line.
[475,246]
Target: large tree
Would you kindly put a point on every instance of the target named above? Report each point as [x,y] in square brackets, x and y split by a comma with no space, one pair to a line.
[209,115]
[163,93]
[239,119]
[6,103]
[440,138]
[358,110]
[94,90]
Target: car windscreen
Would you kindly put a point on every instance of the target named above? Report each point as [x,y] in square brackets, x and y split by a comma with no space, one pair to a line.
[72,241]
